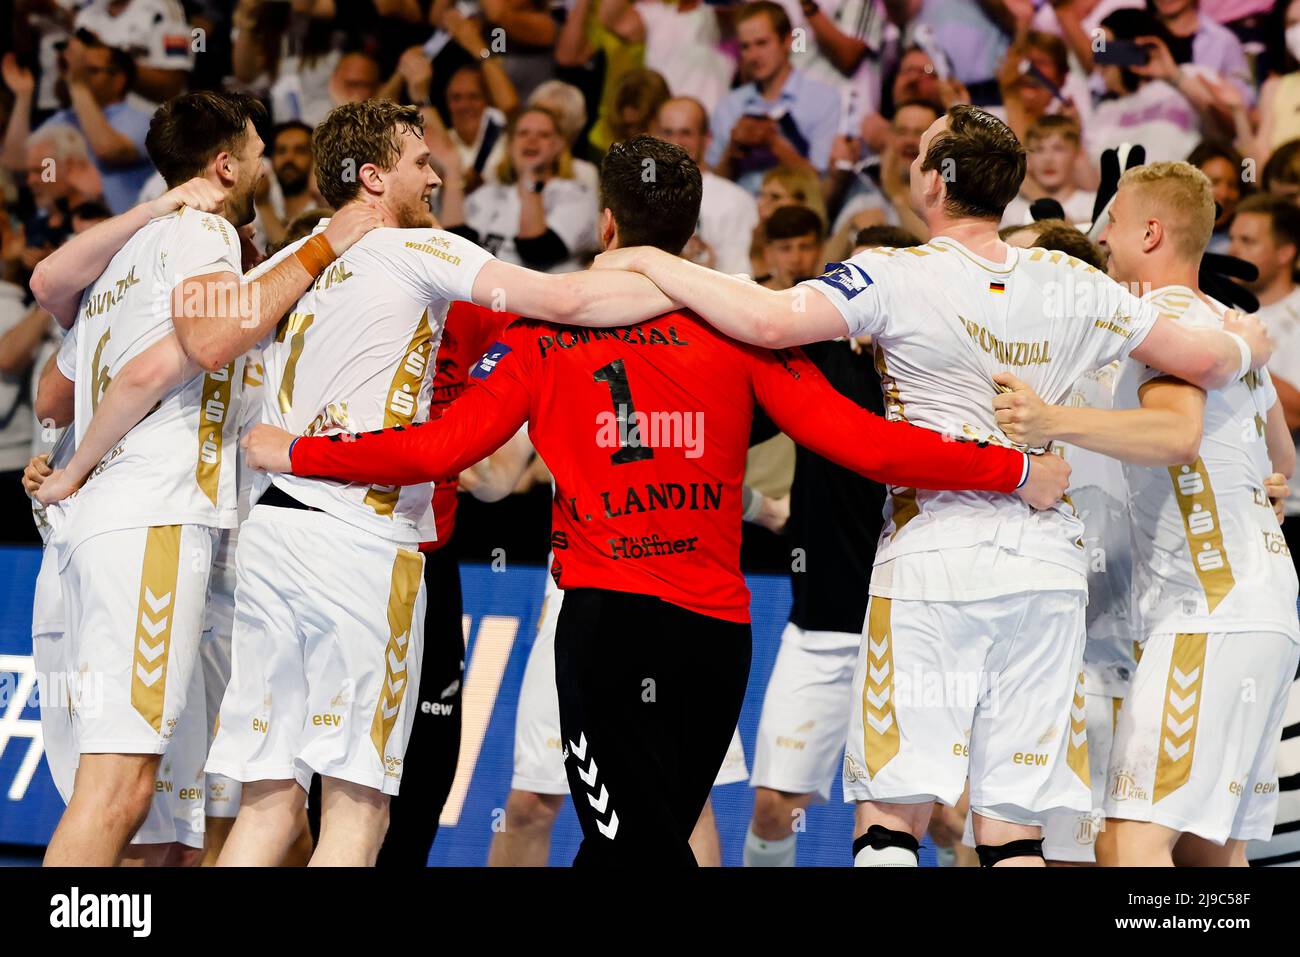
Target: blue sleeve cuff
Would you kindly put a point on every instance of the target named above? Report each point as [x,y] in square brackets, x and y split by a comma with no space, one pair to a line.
[1024,473]
[296,438]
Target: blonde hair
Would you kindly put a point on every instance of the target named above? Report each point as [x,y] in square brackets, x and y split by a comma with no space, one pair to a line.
[803,186]
[566,102]
[506,172]
[1180,196]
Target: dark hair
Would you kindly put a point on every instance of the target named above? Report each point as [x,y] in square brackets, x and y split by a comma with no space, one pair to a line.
[930,105]
[1282,167]
[653,190]
[299,227]
[91,209]
[893,237]
[776,15]
[285,127]
[1129,24]
[356,134]
[791,222]
[121,62]
[1283,217]
[981,162]
[1059,235]
[187,131]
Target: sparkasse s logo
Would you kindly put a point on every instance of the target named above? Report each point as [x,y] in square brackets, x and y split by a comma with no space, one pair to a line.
[74,909]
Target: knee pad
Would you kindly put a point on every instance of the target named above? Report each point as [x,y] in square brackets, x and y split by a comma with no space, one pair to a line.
[879,837]
[991,854]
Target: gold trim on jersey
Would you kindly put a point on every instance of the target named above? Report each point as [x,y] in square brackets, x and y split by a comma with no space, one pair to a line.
[1181,715]
[879,722]
[153,621]
[403,401]
[1077,752]
[408,571]
[939,246]
[293,329]
[903,504]
[214,406]
[1205,546]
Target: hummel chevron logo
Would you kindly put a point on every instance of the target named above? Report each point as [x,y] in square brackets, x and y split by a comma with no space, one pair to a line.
[610,829]
[579,750]
[1176,753]
[882,724]
[878,699]
[878,675]
[602,803]
[1185,680]
[395,685]
[155,603]
[1180,728]
[154,628]
[878,648]
[589,776]
[1181,704]
[395,664]
[389,712]
[148,678]
[1078,737]
[150,653]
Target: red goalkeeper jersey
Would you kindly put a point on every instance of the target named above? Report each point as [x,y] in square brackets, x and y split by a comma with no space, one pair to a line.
[645,429]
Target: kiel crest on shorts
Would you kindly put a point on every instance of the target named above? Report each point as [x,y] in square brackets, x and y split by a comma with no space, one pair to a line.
[483,368]
[846,277]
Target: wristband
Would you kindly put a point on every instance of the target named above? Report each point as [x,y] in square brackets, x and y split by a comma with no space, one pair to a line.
[1246,358]
[291,445]
[315,254]
[1024,474]
[752,502]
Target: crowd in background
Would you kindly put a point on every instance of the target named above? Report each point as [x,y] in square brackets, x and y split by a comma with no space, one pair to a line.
[805,114]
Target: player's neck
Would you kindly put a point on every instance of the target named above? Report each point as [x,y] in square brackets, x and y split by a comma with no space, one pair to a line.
[1277,290]
[1171,274]
[980,236]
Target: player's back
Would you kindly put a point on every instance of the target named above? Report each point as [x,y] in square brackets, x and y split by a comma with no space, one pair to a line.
[177,465]
[1208,553]
[357,353]
[944,321]
[645,429]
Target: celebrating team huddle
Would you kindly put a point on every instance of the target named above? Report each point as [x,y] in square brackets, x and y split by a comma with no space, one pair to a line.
[1080,622]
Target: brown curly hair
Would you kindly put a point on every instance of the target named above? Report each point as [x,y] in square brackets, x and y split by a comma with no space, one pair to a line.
[356,134]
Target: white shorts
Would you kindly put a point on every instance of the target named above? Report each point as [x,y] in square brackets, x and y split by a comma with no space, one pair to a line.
[176,812]
[805,712]
[1219,782]
[134,602]
[54,676]
[539,756]
[1072,835]
[223,793]
[980,688]
[329,627]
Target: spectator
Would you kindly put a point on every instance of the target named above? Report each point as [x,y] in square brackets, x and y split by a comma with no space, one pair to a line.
[843,43]
[1210,47]
[1225,168]
[536,214]
[59,175]
[477,129]
[285,193]
[21,330]
[156,35]
[728,214]
[1145,104]
[793,251]
[876,190]
[1056,234]
[529,37]
[780,116]
[972,34]
[1279,100]
[681,43]
[783,186]
[286,53]
[637,99]
[1266,233]
[1281,175]
[48,26]
[94,81]
[1053,147]
[1024,97]
[583,36]
[566,102]
[915,79]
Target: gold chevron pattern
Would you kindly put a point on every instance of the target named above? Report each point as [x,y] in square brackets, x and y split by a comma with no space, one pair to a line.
[1181,714]
[408,568]
[1077,753]
[879,723]
[153,622]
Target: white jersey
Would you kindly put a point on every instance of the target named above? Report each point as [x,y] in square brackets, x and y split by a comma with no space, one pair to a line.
[1099,493]
[1208,553]
[944,321]
[250,407]
[1282,319]
[357,354]
[177,466]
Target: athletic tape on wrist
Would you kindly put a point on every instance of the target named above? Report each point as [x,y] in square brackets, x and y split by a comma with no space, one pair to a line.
[751,503]
[1246,358]
[315,254]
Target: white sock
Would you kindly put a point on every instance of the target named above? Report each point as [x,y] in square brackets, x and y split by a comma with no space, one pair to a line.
[764,853]
[885,857]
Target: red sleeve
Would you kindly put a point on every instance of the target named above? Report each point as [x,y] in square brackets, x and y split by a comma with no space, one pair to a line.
[808,409]
[474,426]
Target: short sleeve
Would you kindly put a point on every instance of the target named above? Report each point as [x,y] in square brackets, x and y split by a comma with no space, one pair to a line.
[1116,332]
[442,264]
[1267,390]
[202,244]
[858,289]
[66,358]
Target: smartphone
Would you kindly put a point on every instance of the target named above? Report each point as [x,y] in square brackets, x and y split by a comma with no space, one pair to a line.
[1122,53]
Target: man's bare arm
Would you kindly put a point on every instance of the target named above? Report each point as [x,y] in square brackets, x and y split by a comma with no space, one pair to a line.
[600,298]
[495,477]
[134,391]
[1204,357]
[55,396]
[61,277]
[1288,397]
[1281,447]
[218,317]
[736,307]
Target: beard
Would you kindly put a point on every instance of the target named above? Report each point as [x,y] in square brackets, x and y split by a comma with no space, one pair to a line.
[293,181]
[239,207]
[414,215]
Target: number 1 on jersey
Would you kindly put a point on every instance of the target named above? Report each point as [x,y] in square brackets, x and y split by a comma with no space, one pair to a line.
[294,330]
[615,376]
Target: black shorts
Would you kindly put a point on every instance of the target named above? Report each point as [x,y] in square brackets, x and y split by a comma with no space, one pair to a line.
[650,694]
